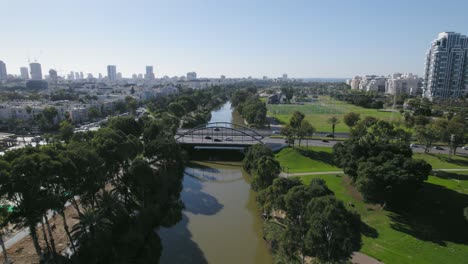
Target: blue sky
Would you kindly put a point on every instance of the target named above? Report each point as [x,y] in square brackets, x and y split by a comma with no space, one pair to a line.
[328,38]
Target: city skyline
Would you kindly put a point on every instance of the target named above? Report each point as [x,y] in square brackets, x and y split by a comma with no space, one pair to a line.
[332,40]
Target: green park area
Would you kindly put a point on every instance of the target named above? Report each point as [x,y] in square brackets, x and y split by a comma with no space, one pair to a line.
[317,113]
[431,229]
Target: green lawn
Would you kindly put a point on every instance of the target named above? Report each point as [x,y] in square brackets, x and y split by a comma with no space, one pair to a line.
[318,112]
[432,230]
[313,159]
[443,161]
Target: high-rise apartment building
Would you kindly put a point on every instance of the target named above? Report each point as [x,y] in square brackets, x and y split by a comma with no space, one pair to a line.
[446,74]
[149,75]
[285,77]
[112,72]
[36,71]
[191,76]
[24,73]
[3,72]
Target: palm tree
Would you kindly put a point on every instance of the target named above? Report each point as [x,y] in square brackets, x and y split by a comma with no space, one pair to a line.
[89,223]
[333,121]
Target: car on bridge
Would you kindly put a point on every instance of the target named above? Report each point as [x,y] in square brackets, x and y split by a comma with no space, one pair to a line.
[227,139]
[217,140]
[207,137]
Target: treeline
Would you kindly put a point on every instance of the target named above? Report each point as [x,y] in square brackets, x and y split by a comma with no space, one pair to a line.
[249,105]
[301,221]
[127,175]
[193,107]
[378,158]
[360,98]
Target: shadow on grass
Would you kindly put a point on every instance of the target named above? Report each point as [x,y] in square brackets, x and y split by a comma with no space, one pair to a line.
[450,175]
[368,230]
[322,156]
[459,162]
[436,215]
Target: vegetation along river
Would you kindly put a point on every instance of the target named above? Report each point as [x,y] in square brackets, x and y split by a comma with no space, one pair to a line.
[221,222]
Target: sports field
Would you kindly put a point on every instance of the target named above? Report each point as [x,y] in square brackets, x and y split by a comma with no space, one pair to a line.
[317,113]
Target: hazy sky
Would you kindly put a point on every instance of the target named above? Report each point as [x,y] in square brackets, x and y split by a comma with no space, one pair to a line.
[322,38]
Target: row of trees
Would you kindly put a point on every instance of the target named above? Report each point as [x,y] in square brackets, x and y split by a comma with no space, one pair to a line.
[301,220]
[127,177]
[360,98]
[249,105]
[379,160]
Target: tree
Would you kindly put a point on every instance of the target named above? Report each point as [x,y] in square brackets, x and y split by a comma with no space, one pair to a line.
[176,109]
[289,133]
[456,130]
[296,119]
[305,130]
[266,171]
[427,135]
[253,154]
[391,178]
[351,119]
[334,232]
[333,121]
[93,113]
[296,201]
[272,198]
[66,131]
[4,215]
[126,124]
[288,92]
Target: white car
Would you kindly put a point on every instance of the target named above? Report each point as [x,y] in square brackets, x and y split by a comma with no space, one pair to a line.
[465,148]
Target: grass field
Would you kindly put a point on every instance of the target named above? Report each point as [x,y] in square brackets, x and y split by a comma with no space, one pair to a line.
[443,161]
[431,230]
[318,112]
[314,159]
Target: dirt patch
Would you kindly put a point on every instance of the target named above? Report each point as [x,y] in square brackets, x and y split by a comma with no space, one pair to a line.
[23,252]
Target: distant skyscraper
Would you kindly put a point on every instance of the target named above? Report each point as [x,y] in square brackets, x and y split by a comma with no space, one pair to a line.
[24,73]
[53,75]
[3,72]
[111,72]
[285,76]
[119,76]
[134,76]
[446,74]
[223,77]
[77,76]
[191,76]
[100,76]
[81,75]
[140,76]
[149,75]
[36,71]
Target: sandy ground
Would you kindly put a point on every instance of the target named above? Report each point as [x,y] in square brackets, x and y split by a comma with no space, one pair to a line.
[23,252]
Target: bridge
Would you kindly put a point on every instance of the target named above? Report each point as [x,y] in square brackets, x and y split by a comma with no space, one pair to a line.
[223,135]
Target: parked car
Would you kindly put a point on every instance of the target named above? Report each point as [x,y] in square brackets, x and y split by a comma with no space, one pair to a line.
[227,139]
[217,140]
[207,137]
[438,147]
[325,141]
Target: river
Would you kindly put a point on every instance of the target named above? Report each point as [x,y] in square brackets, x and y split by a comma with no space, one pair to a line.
[221,222]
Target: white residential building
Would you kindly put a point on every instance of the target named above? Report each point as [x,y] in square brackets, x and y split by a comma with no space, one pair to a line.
[446,73]
[398,83]
[372,83]
[355,83]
